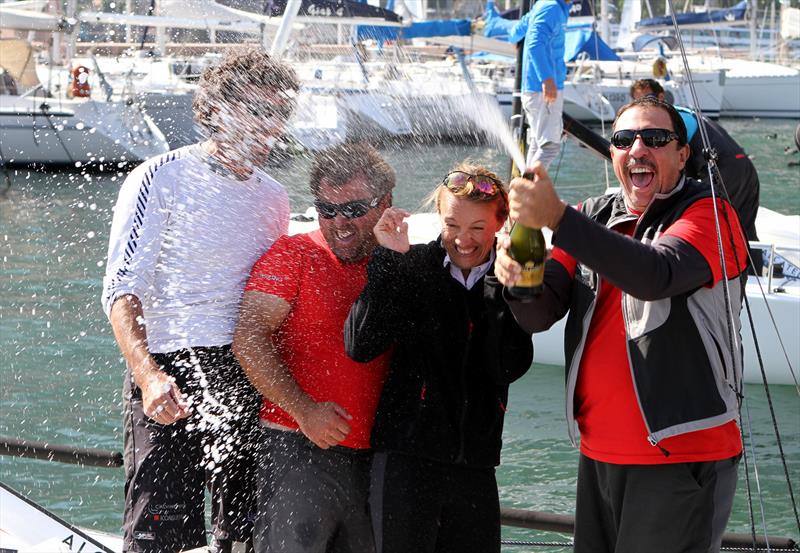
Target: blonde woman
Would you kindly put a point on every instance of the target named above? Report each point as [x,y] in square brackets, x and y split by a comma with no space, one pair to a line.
[455,349]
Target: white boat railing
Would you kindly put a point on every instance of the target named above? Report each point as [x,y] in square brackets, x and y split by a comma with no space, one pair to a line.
[773,252]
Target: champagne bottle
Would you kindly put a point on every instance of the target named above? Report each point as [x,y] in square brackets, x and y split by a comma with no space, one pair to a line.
[528,248]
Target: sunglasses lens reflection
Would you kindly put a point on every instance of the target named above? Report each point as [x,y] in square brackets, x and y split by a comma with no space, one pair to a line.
[458,180]
[487,186]
[354,211]
[325,211]
[652,138]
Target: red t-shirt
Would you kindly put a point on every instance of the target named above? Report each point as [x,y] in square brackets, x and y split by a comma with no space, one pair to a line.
[606,409]
[302,270]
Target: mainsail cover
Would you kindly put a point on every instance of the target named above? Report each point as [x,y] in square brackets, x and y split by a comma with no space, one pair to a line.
[311,8]
[728,16]
[419,29]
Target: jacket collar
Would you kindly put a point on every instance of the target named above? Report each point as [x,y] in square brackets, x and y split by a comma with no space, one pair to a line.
[620,213]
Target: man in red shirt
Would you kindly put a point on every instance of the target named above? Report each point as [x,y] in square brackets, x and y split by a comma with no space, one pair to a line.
[652,340]
[319,405]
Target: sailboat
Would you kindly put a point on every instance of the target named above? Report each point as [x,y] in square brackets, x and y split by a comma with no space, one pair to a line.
[748,88]
[43,126]
[336,102]
[26,526]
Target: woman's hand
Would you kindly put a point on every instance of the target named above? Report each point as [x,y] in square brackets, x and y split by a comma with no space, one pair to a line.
[506,269]
[391,231]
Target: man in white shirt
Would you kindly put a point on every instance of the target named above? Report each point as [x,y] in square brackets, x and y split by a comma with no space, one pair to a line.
[187,228]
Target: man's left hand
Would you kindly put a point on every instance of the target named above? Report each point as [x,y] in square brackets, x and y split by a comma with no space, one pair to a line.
[535,203]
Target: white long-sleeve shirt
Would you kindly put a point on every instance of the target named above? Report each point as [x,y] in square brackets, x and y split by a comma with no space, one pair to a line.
[183,239]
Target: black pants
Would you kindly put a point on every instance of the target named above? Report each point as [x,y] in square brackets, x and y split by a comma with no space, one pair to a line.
[311,500]
[167,467]
[672,508]
[422,506]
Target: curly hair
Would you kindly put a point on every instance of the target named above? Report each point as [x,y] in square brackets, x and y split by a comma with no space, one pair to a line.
[340,164]
[242,66]
[471,193]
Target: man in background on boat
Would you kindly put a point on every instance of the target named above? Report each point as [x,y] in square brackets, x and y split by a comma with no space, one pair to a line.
[653,354]
[187,228]
[544,71]
[737,172]
[319,405]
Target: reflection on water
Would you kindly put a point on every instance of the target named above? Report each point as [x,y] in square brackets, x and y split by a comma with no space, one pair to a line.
[61,374]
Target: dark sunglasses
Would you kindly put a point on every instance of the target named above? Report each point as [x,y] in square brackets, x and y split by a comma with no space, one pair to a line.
[457,181]
[349,210]
[652,138]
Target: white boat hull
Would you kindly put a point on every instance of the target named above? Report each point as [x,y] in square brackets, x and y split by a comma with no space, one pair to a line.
[172,113]
[586,102]
[318,121]
[52,131]
[754,88]
[709,86]
[375,115]
[26,527]
[762,96]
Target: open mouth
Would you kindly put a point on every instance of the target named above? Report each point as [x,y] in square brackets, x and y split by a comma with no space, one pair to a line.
[344,235]
[466,251]
[641,177]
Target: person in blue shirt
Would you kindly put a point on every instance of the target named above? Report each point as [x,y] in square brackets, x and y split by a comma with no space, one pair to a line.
[543,74]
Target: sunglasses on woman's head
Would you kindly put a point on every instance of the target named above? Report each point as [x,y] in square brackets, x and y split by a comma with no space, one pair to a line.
[457,181]
[348,210]
[652,138]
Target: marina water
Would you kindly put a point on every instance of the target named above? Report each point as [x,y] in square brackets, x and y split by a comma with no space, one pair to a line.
[61,373]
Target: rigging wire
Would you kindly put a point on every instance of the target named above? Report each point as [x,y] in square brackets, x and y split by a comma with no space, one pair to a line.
[771,405]
[710,155]
[748,487]
[44,107]
[558,165]
[757,479]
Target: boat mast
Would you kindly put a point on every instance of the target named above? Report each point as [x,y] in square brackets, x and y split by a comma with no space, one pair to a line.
[55,38]
[772,33]
[518,123]
[161,32]
[604,30]
[282,36]
[128,28]
[753,29]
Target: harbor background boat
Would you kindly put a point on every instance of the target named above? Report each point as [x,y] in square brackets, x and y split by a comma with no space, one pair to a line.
[61,374]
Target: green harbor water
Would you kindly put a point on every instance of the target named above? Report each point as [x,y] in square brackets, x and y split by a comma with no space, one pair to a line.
[61,373]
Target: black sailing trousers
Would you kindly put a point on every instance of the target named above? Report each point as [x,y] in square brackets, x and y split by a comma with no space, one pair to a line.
[669,508]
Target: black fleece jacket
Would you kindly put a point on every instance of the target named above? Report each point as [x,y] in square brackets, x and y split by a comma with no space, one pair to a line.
[455,353]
